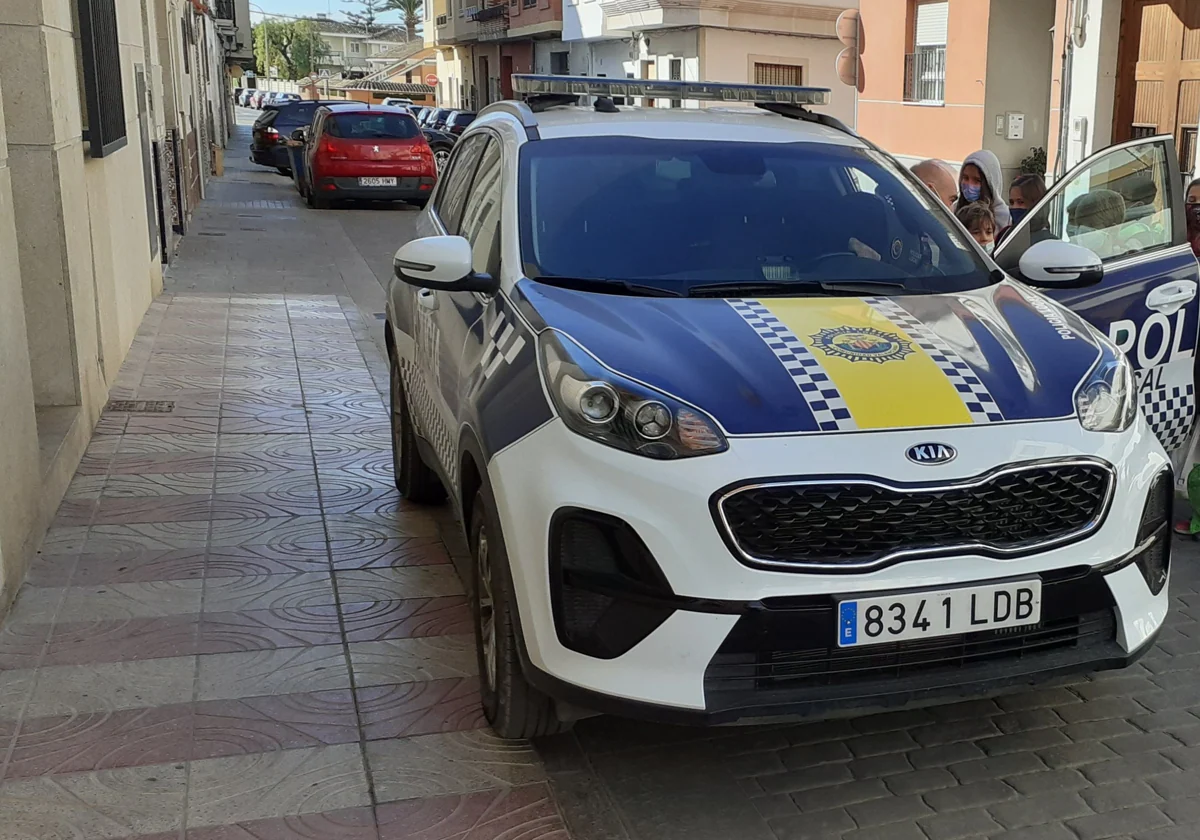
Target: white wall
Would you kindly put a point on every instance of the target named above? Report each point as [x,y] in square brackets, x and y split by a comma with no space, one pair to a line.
[729,56]
[1093,81]
[579,62]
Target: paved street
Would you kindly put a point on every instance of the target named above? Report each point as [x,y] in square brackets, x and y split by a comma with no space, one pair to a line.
[237,630]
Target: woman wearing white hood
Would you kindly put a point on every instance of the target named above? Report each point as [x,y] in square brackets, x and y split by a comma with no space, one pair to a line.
[980,180]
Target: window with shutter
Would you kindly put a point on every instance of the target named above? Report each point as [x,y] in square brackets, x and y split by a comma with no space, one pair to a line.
[925,67]
[932,20]
[104,99]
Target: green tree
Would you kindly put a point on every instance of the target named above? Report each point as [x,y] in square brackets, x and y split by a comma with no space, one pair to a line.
[366,14]
[410,11]
[295,47]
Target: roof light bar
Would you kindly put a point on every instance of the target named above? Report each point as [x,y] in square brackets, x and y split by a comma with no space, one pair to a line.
[530,84]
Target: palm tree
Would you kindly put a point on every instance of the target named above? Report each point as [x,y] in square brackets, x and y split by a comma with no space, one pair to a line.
[411,9]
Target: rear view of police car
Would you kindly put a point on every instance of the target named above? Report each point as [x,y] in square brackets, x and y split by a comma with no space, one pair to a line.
[741,424]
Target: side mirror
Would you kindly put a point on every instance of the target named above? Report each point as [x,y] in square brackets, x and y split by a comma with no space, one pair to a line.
[1053,264]
[442,263]
[300,135]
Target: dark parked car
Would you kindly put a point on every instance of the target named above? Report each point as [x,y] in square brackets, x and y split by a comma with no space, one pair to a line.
[367,152]
[438,118]
[458,121]
[442,143]
[419,111]
[276,123]
[237,93]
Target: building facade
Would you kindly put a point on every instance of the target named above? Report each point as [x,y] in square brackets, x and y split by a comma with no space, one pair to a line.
[87,91]
[353,49]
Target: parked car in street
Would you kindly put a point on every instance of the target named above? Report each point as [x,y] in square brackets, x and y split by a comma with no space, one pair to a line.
[419,112]
[237,93]
[437,118]
[274,125]
[442,144]
[398,102]
[741,423]
[458,121]
[357,151]
[282,98]
[258,98]
[245,96]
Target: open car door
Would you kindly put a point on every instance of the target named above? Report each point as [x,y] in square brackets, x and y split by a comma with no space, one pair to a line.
[1126,204]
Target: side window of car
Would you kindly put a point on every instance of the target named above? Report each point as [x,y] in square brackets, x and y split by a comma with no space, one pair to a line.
[1117,207]
[481,216]
[452,193]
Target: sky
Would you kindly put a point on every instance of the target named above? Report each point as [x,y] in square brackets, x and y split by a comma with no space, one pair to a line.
[307,8]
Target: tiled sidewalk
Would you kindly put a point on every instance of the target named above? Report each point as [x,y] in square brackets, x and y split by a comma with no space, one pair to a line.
[237,629]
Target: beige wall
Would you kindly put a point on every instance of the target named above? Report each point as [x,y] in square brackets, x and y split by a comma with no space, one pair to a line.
[83,273]
[1019,69]
[729,56]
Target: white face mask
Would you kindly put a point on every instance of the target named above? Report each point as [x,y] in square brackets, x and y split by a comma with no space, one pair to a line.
[990,247]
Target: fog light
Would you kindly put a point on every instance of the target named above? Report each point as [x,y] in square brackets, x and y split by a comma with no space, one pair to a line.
[652,419]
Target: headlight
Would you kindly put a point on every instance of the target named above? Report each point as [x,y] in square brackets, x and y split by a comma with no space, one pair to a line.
[1107,402]
[597,403]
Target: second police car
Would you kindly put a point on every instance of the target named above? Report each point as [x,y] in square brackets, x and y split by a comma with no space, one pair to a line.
[741,423]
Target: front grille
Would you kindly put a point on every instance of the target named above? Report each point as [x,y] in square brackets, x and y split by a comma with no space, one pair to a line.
[774,669]
[853,523]
[784,654]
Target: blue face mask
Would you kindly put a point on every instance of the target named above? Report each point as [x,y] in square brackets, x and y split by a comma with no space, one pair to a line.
[1018,213]
[971,192]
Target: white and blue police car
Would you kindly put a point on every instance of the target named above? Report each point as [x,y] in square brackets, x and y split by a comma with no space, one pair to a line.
[742,424]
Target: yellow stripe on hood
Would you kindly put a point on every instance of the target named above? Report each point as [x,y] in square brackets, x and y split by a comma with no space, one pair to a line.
[885,378]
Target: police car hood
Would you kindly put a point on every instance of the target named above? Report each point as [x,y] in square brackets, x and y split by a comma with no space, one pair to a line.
[840,364]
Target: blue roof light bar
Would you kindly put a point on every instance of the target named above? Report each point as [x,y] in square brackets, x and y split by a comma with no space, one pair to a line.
[530,84]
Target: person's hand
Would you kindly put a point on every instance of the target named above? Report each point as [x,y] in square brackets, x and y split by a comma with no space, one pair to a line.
[863,250]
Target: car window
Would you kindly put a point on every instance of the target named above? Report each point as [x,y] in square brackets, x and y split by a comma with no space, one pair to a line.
[1118,206]
[701,212]
[463,119]
[266,118]
[456,184]
[298,114]
[374,125]
[481,216]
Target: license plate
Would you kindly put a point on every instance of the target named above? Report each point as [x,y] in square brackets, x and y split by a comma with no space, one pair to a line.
[948,612]
[377,182]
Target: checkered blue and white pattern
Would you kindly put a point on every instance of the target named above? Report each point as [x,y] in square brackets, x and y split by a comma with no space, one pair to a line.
[427,419]
[974,394]
[1169,412]
[502,345]
[826,403]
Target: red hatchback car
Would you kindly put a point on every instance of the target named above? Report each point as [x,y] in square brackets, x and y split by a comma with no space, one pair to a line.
[367,152]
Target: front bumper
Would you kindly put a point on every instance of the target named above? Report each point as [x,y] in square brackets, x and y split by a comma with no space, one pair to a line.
[743,642]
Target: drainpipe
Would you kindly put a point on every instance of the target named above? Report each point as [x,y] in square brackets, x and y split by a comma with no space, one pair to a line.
[1064,105]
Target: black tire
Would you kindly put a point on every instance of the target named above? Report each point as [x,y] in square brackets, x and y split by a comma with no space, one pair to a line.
[414,479]
[441,155]
[283,170]
[513,707]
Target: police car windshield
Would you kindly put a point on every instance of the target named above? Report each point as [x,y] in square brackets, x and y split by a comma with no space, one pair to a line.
[683,214]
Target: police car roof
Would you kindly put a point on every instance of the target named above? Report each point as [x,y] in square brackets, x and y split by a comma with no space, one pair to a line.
[736,123]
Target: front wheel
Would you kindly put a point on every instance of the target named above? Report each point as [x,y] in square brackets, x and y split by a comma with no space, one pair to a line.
[441,156]
[415,481]
[513,707]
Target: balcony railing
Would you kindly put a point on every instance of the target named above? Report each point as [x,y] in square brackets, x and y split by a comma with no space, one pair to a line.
[925,75]
[224,10]
[441,20]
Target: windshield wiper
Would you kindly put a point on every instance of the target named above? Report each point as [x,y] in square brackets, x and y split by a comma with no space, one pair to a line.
[768,289]
[595,284]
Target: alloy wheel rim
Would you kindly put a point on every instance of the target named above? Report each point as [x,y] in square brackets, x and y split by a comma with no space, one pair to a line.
[440,157]
[487,610]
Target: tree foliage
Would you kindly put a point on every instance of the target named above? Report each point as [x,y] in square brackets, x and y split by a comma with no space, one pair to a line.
[410,11]
[295,47]
[366,14]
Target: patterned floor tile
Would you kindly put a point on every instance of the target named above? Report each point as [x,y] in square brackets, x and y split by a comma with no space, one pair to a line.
[235,632]
[22,645]
[101,741]
[139,566]
[227,676]
[369,621]
[120,640]
[397,582]
[447,763]
[268,592]
[16,686]
[283,722]
[284,483]
[120,511]
[240,560]
[143,599]
[267,505]
[420,708]
[158,484]
[188,462]
[366,527]
[146,536]
[276,784]
[384,553]
[346,824]
[267,423]
[413,660]
[306,530]
[525,812]
[170,424]
[98,687]
[94,806]
[167,443]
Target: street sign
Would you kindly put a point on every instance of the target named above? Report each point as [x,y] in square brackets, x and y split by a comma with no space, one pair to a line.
[431,79]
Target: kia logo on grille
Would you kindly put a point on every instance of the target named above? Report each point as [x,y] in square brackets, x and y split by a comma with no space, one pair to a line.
[931,453]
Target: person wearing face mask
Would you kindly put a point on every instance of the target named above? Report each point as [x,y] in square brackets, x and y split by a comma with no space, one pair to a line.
[980,223]
[1193,216]
[978,181]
